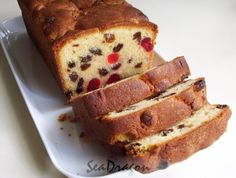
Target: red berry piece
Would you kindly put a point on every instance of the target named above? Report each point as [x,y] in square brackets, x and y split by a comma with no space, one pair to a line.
[113,78]
[113,58]
[93,84]
[146,43]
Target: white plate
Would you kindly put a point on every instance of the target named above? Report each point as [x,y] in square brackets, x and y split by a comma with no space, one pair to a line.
[45,102]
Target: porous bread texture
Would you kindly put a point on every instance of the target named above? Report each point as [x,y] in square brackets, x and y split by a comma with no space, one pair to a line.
[203,116]
[175,90]
[133,58]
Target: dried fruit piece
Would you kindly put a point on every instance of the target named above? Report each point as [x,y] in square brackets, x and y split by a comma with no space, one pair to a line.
[146,119]
[73,76]
[113,58]
[85,66]
[181,126]
[80,87]
[109,37]
[199,85]
[146,43]
[86,59]
[113,78]
[137,36]
[118,47]
[50,20]
[103,72]
[138,65]
[130,60]
[93,84]
[166,132]
[96,51]
[69,94]
[116,66]
[75,45]
[219,106]
[71,64]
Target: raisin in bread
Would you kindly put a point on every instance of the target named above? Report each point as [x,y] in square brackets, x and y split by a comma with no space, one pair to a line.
[180,141]
[116,96]
[149,116]
[90,43]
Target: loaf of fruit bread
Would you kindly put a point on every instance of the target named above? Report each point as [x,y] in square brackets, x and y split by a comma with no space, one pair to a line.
[180,141]
[90,43]
[149,116]
[116,96]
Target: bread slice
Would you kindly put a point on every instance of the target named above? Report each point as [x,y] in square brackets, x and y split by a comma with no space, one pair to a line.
[180,141]
[132,90]
[149,116]
[90,43]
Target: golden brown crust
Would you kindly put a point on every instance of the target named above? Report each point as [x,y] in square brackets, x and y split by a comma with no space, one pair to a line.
[181,148]
[51,23]
[150,120]
[57,18]
[131,90]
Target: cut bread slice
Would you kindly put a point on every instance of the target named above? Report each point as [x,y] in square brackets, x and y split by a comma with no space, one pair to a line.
[149,116]
[180,141]
[132,90]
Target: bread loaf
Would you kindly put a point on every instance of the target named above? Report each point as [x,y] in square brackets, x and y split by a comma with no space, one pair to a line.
[90,43]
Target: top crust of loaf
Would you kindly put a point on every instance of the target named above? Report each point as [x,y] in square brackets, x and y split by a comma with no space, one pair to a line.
[60,19]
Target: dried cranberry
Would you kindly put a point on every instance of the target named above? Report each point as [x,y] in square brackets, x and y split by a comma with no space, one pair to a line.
[113,58]
[113,78]
[80,87]
[96,51]
[116,66]
[85,66]
[93,84]
[109,37]
[118,47]
[138,65]
[103,72]
[73,76]
[137,36]
[146,43]
[71,64]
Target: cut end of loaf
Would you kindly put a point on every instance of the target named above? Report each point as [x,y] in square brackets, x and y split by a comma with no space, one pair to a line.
[203,116]
[98,58]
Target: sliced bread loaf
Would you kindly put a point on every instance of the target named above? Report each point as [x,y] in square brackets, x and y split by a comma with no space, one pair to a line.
[132,90]
[149,116]
[180,141]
